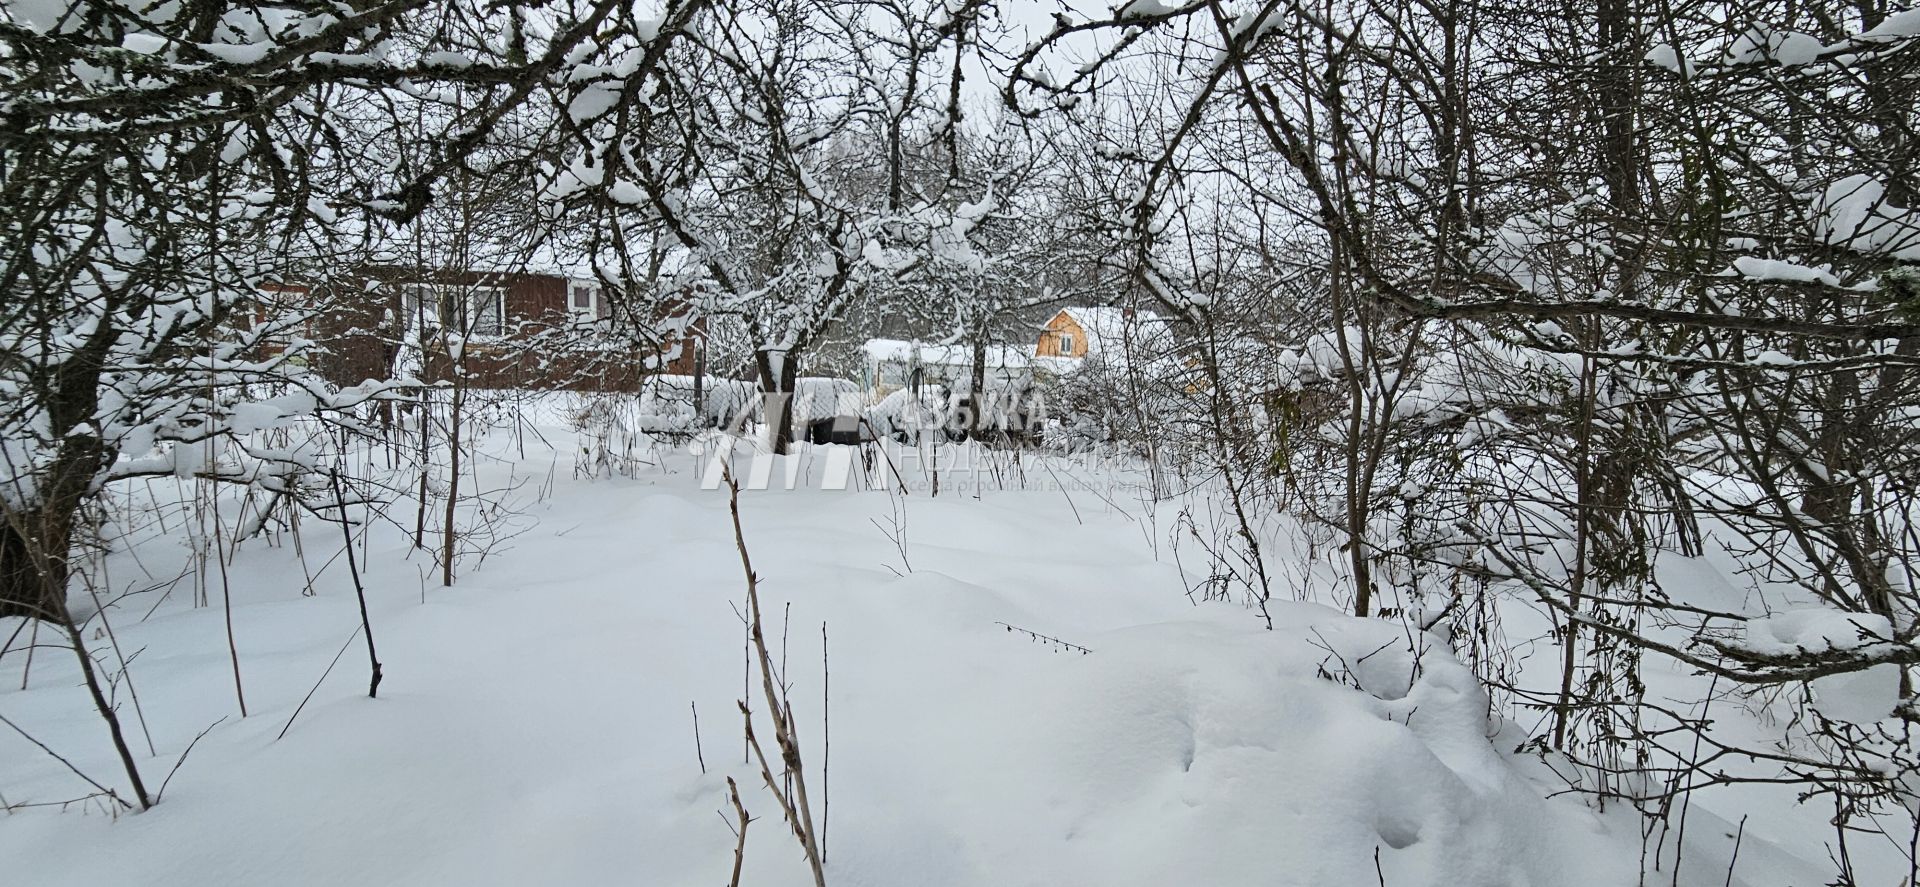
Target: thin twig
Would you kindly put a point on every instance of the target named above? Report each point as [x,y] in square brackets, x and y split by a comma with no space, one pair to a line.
[1738,835]
[183,759]
[826,740]
[799,811]
[316,685]
[739,832]
[698,755]
[353,569]
[1068,645]
[69,764]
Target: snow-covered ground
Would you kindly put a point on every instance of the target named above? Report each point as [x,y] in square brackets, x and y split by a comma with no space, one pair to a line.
[537,720]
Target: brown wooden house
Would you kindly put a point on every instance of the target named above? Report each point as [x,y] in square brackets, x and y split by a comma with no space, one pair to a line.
[516,330]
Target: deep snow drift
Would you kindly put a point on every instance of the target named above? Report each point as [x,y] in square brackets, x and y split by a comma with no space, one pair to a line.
[537,721]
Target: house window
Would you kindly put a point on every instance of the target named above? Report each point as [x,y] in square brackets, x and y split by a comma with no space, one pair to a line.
[478,309]
[583,299]
[468,310]
[1066,344]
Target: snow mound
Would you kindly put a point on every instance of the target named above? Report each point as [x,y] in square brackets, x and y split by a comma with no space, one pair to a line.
[1217,753]
[1814,629]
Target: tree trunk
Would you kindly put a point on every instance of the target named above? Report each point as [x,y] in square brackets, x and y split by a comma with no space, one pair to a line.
[976,406]
[24,587]
[35,545]
[35,541]
[776,396]
[455,404]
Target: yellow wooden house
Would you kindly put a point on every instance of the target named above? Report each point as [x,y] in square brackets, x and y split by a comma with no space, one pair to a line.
[1075,333]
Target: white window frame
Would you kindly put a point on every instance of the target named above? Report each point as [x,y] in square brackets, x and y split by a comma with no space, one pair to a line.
[591,290]
[463,295]
[1066,344]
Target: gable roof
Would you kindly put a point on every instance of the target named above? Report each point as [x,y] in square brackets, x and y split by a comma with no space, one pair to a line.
[1109,328]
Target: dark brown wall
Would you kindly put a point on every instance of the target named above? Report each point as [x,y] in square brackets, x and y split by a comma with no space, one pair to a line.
[535,297]
[354,347]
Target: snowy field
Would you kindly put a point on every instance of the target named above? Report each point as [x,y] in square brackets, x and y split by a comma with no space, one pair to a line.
[537,721]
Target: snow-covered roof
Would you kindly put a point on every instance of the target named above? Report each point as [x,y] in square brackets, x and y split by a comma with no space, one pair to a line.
[932,354]
[1059,366]
[1107,327]
[1115,340]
